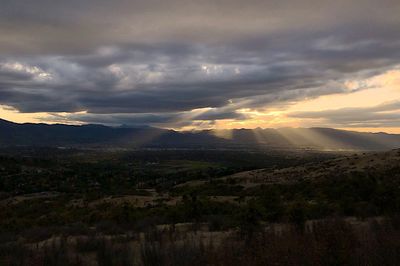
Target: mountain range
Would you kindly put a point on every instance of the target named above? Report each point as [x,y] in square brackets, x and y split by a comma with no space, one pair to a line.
[100,136]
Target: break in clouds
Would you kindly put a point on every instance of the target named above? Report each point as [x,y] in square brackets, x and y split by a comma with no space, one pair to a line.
[178,63]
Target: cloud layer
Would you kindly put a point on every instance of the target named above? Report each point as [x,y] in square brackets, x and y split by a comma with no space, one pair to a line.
[383,115]
[173,63]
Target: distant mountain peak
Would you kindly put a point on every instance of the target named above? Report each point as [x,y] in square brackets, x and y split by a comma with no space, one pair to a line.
[6,122]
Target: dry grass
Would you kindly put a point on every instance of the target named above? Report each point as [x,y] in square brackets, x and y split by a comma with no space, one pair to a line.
[323,242]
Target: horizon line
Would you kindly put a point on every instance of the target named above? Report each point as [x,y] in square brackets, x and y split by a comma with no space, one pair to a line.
[199,130]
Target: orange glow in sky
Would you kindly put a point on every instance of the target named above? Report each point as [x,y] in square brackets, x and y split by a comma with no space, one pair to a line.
[381,88]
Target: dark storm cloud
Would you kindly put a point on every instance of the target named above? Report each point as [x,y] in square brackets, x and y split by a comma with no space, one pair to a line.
[141,61]
[124,119]
[177,119]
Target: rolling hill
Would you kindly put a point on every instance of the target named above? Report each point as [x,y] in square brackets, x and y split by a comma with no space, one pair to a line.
[28,134]
[382,166]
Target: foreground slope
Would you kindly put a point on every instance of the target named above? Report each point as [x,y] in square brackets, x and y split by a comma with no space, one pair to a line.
[366,164]
[341,211]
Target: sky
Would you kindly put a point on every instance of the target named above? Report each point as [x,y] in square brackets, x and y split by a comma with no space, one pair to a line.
[202,64]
